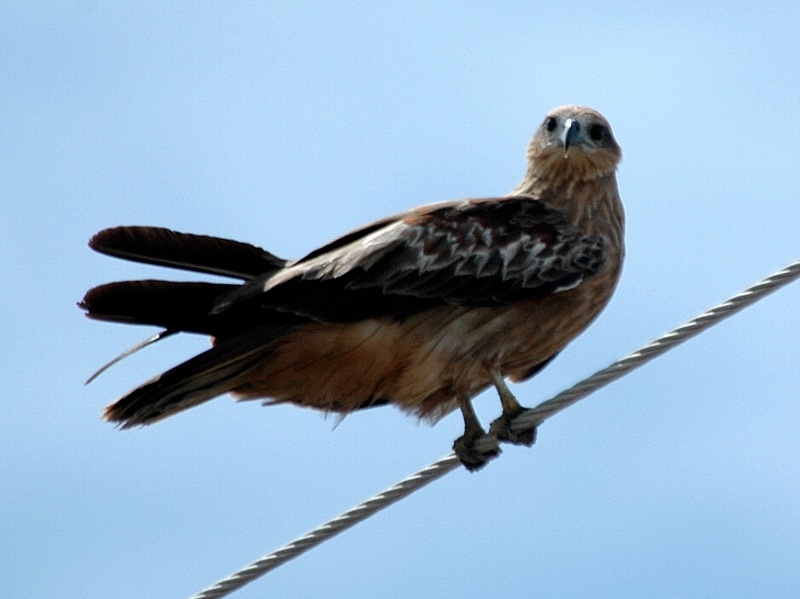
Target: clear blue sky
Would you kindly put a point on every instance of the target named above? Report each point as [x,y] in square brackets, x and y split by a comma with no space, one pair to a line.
[286,127]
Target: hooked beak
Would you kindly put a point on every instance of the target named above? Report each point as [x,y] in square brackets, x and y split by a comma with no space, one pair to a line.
[572,133]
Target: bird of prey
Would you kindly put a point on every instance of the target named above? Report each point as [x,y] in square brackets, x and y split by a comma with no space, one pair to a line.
[422,310]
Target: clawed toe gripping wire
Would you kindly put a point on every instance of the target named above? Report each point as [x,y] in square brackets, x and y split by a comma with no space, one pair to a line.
[527,420]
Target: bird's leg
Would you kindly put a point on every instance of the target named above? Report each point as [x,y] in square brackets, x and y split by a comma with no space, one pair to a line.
[501,428]
[465,446]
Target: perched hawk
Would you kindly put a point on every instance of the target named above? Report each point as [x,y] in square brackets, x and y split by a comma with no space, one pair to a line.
[423,310]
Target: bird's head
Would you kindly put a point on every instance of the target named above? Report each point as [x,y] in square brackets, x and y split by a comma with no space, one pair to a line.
[573,142]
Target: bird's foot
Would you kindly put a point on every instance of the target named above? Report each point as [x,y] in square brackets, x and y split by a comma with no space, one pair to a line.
[475,448]
[501,429]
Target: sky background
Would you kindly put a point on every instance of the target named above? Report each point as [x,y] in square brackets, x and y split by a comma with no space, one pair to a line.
[288,126]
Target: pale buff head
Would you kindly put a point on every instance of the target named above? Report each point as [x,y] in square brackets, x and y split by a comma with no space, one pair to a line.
[575,143]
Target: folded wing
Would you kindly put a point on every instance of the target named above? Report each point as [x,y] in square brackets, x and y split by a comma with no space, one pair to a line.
[488,252]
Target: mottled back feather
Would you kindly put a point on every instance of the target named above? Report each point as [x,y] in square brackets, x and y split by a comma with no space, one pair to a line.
[479,253]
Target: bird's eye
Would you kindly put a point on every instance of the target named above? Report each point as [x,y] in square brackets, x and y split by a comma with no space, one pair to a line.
[550,124]
[597,132]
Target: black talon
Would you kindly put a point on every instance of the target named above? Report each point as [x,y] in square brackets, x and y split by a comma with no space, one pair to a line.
[466,450]
[501,429]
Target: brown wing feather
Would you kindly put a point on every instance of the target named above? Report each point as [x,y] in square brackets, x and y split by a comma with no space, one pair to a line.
[471,253]
[198,253]
[172,305]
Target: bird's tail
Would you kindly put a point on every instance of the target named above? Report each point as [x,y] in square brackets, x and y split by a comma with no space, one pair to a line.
[214,372]
[182,306]
[175,306]
[198,253]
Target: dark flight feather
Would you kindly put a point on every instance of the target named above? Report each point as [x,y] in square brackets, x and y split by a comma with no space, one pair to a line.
[197,253]
[473,253]
[199,379]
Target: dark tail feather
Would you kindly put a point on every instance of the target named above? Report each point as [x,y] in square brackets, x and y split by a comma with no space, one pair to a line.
[171,305]
[198,253]
[212,373]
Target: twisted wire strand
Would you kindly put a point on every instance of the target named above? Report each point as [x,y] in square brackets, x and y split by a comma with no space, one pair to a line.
[331,528]
[529,419]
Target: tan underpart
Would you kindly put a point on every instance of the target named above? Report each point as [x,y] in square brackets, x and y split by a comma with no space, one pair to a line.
[424,363]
